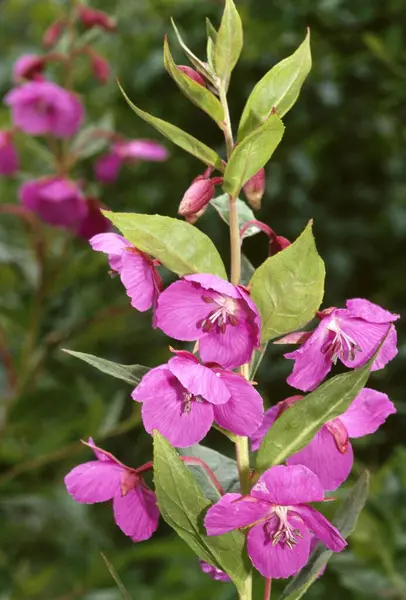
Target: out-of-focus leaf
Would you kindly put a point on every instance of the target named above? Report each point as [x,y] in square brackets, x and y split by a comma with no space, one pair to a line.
[132,374]
[229,43]
[288,288]
[245,214]
[90,140]
[179,246]
[116,578]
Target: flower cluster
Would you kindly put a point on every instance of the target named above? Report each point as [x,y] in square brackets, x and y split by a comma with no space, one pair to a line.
[54,111]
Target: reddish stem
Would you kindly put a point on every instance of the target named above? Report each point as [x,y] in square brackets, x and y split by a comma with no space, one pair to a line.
[267,591]
[262,226]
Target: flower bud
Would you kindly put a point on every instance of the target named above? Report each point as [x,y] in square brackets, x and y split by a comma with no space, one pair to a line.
[192,74]
[28,66]
[277,243]
[100,67]
[254,189]
[95,18]
[198,195]
[53,33]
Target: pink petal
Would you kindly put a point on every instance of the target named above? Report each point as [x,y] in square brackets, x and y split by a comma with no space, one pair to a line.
[322,528]
[136,513]
[100,453]
[278,561]
[199,380]
[107,168]
[230,349]
[322,456]
[180,309]
[388,351]
[286,486]
[141,150]
[111,244]
[214,572]
[244,412]
[137,277]
[215,283]
[359,307]
[311,364]
[267,422]
[367,413]
[152,383]
[95,481]
[234,511]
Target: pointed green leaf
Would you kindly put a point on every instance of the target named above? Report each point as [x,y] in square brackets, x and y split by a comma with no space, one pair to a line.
[245,214]
[198,94]
[116,578]
[211,42]
[179,137]
[201,66]
[229,43]
[288,288]
[247,270]
[278,89]
[249,156]
[179,246]
[183,506]
[132,374]
[257,359]
[298,425]
[345,520]
[224,468]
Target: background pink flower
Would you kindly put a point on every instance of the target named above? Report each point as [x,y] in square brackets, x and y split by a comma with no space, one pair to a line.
[9,163]
[107,167]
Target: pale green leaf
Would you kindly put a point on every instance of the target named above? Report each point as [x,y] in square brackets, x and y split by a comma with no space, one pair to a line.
[197,93]
[211,42]
[179,137]
[245,214]
[278,89]
[229,43]
[132,374]
[288,288]
[183,506]
[179,246]
[345,520]
[116,578]
[250,155]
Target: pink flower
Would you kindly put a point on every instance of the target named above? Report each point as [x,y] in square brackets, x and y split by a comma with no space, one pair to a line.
[94,221]
[95,18]
[182,399]
[28,66]
[350,334]
[329,455]
[42,107]
[137,270]
[220,315]
[55,200]
[99,65]
[108,166]
[281,522]
[104,479]
[8,156]
[214,572]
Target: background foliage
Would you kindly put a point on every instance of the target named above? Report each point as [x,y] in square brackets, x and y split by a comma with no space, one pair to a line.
[341,162]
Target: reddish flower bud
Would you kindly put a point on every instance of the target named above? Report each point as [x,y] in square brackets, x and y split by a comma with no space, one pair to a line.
[192,74]
[196,197]
[9,162]
[100,67]
[277,243]
[254,189]
[28,66]
[53,33]
[95,18]
[193,218]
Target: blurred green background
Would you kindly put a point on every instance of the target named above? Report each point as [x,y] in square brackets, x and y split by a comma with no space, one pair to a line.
[342,163]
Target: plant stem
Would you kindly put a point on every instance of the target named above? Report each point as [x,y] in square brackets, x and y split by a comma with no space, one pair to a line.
[268,589]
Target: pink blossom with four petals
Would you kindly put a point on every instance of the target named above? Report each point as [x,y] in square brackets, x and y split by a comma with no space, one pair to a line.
[220,315]
[8,155]
[329,455]
[134,504]
[43,107]
[281,522]
[214,572]
[55,200]
[108,166]
[137,271]
[182,399]
[350,334]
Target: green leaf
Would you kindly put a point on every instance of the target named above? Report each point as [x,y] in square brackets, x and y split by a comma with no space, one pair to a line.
[288,288]
[278,89]
[116,578]
[245,214]
[224,468]
[183,506]
[247,270]
[345,520]
[89,142]
[179,137]
[229,43]
[130,373]
[179,246]
[298,425]
[198,94]
[211,42]
[201,66]
[250,155]
[256,360]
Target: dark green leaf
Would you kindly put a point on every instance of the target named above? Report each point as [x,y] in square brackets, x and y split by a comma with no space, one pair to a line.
[116,578]
[288,288]
[298,425]
[245,214]
[179,137]
[247,270]
[229,43]
[198,94]
[183,506]
[201,66]
[130,373]
[250,155]
[179,246]
[278,89]
[345,520]
[224,468]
